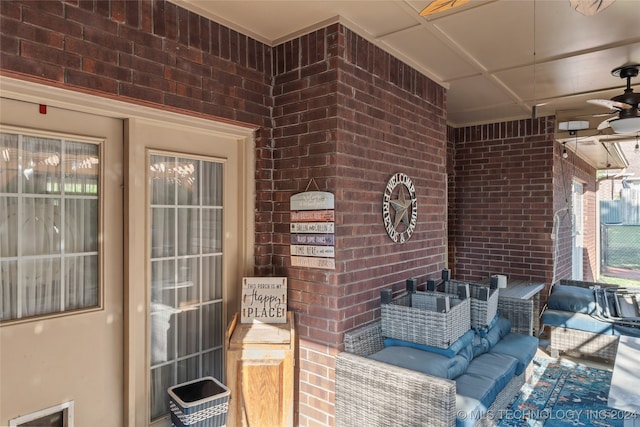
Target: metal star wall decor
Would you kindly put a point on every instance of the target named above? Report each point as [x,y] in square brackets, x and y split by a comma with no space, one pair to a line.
[400,208]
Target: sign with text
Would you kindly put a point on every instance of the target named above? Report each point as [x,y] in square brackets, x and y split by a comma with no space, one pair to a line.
[264,300]
[312,230]
[313,262]
[325,215]
[312,200]
[312,227]
[312,239]
[311,250]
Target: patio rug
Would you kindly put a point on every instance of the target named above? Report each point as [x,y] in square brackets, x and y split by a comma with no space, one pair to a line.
[562,393]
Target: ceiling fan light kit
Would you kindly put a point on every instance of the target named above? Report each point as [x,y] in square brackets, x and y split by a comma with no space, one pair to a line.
[625,105]
[628,125]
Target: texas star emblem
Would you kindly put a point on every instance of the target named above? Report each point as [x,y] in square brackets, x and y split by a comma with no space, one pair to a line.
[399,208]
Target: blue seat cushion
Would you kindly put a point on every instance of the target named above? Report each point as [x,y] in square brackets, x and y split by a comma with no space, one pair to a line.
[479,386]
[451,351]
[468,411]
[498,367]
[471,387]
[572,298]
[521,347]
[626,330]
[423,361]
[579,321]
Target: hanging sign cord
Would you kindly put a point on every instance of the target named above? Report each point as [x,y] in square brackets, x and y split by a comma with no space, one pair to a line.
[314,183]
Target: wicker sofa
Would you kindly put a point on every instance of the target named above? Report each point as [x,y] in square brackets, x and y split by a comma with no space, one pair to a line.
[375,393]
[575,325]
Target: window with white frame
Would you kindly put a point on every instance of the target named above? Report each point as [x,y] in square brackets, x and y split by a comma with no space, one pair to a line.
[49,224]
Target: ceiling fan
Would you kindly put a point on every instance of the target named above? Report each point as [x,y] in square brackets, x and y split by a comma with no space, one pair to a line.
[624,106]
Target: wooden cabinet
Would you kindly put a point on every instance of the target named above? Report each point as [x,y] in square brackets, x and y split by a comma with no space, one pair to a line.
[260,361]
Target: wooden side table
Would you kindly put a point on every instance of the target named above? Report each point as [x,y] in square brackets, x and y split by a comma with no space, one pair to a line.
[260,362]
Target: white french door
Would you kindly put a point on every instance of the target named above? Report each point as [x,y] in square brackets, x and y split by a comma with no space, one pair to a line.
[185,227]
[61,247]
[577,232]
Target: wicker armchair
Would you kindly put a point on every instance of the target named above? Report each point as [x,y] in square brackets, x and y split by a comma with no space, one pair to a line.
[582,343]
[374,393]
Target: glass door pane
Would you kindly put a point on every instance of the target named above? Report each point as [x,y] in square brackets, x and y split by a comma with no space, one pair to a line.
[49,225]
[186,324]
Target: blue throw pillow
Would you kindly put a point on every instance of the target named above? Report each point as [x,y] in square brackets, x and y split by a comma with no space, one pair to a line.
[451,351]
[479,345]
[482,344]
[572,298]
[499,330]
[482,330]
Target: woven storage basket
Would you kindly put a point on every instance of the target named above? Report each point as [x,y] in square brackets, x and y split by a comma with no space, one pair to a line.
[201,403]
[403,319]
[482,312]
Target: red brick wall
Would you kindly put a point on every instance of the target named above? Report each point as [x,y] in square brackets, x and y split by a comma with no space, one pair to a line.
[510,183]
[504,200]
[349,116]
[142,52]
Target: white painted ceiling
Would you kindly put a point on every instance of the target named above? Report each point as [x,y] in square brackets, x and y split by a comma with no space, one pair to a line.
[497,58]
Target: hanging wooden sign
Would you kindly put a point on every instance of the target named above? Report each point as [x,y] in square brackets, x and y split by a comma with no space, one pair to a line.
[313,262]
[323,215]
[312,229]
[312,239]
[311,250]
[312,200]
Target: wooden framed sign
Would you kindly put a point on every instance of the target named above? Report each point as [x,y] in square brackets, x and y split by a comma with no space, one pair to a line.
[264,300]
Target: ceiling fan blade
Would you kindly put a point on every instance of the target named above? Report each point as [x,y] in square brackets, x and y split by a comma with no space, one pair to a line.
[612,105]
[590,7]
[437,6]
[605,123]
